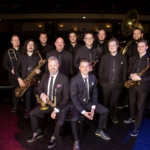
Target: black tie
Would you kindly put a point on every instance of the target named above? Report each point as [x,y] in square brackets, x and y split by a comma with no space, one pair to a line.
[51,85]
[90,56]
[86,89]
[60,57]
[114,68]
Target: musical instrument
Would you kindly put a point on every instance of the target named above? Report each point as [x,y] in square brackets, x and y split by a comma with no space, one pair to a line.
[130,22]
[10,52]
[30,80]
[130,83]
[94,63]
[43,105]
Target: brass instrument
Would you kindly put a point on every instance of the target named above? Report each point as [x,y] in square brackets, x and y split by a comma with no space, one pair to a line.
[10,52]
[94,63]
[130,22]
[30,80]
[43,105]
[130,83]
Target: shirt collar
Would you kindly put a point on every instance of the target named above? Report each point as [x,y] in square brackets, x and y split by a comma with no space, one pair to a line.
[84,76]
[54,75]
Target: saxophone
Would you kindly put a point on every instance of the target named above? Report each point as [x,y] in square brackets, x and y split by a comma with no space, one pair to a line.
[30,80]
[124,49]
[130,83]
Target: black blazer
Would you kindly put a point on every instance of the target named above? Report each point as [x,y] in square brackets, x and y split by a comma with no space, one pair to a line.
[61,86]
[78,93]
[22,64]
[145,78]
[66,67]
[104,67]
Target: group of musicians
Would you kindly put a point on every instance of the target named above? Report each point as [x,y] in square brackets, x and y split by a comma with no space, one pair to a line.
[76,84]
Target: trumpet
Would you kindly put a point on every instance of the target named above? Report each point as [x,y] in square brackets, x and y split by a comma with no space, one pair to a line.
[93,63]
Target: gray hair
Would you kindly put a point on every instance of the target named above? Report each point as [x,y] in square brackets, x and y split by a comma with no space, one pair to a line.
[53,58]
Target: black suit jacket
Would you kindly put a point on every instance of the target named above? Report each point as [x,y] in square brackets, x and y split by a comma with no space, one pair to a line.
[22,64]
[104,68]
[65,67]
[78,92]
[62,86]
[145,78]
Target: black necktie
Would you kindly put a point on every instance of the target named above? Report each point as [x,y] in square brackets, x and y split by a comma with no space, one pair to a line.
[90,56]
[60,57]
[51,89]
[113,68]
[86,89]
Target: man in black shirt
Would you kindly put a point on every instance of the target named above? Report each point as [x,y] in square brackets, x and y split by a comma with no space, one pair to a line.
[112,75]
[9,63]
[44,47]
[138,94]
[101,43]
[27,61]
[73,45]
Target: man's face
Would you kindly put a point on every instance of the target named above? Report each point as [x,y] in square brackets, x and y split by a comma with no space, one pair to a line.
[43,38]
[30,46]
[53,66]
[112,47]
[88,39]
[101,35]
[142,48]
[72,38]
[59,44]
[84,68]
[15,41]
[137,35]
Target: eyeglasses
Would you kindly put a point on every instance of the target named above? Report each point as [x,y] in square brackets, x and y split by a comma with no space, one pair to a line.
[89,38]
[30,45]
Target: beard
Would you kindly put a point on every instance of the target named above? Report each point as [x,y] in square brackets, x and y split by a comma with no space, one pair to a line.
[137,40]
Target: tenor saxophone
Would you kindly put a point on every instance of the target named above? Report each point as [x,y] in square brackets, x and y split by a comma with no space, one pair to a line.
[30,80]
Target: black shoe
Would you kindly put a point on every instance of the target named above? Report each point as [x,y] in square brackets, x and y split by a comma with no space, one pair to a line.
[102,134]
[34,137]
[14,110]
[76,145]
[122,106]
[129,120]
[134,132]
[114,119]
[26,115]
[52,142]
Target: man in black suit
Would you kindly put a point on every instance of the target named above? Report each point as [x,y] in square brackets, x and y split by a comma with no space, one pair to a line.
[88,52]
[112,75]
[26,62]
[138,94]
[64,57]
[73,45]
[44,47]
[101,43]
[53,84]
[9,63]
[84,96]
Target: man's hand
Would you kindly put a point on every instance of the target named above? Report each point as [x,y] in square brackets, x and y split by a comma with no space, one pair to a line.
[135,77]
[90,68]
[92,113]
[88,115]
[44,97]
[21,83]
[53,114]
[38,71]
[12,71]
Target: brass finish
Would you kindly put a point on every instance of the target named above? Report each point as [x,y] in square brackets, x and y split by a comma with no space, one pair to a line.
[30,80]
[94,63]
[12,51]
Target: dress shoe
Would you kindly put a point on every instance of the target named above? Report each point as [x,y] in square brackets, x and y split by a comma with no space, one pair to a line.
[114,119]
[76,145]
[14,110]
[102,134]
[129,120]
[134,132]
[26,115]
[34,137]
[52,142]
[122,106]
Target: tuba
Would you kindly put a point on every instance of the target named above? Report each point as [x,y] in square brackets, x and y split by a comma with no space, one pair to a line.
[30,80]
[130,22]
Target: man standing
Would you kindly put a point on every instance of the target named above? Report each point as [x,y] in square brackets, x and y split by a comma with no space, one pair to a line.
[84,97]
[101,43]
[73,45]
[112,75]
[88,52]
[9,63]
[44,47]
[27,61]
[138,94]
[53,86]
[64,57]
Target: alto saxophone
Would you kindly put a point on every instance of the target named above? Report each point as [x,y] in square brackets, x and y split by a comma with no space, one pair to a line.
[124,49]
[130,83]
[30,80]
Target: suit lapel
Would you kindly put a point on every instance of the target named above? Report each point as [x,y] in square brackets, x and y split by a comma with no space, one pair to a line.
[25,64]
[119,63]
[107,65]
[57,81]
[90,82]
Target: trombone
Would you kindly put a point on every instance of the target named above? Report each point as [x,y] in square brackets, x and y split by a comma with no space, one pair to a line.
[10,52]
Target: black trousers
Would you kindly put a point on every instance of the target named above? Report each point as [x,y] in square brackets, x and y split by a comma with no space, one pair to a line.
[14,84]
[111,95]
[60,118]
[137,104]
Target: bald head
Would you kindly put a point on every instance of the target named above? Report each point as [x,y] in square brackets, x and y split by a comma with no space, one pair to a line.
[59,44]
